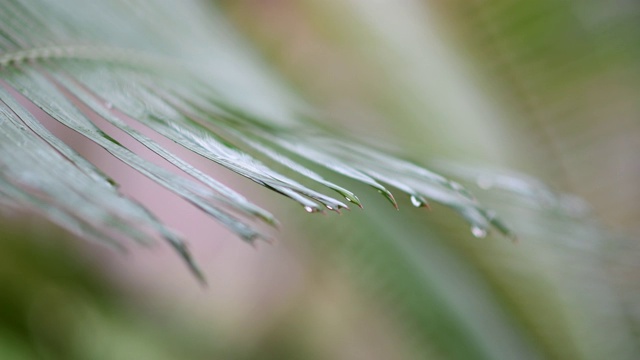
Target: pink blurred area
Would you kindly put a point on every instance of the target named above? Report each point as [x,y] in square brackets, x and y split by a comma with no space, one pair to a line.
[245,283]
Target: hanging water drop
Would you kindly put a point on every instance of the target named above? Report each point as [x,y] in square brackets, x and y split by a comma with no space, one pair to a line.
[308,209]
[417,201]
[478,232]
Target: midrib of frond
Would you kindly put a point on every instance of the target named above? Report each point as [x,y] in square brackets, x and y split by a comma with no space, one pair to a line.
[98,53]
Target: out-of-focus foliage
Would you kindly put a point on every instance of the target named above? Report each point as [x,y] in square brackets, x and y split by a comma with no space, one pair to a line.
[55,305]
[569,72]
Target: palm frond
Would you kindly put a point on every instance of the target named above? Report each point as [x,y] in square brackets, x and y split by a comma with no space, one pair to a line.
[185,77]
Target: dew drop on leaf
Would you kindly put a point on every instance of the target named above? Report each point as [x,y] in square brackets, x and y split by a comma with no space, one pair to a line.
[417,201]
[478,232]
[308,209]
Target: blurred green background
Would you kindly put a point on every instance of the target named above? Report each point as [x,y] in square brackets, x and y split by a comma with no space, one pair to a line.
[549,88]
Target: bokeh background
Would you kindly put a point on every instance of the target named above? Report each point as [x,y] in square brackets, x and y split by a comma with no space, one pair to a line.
[484,91]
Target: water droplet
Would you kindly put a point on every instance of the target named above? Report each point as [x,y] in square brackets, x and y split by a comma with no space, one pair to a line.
[349,200]
[329,207]
[417,201]
[109,105]
[478,232]
[308,209]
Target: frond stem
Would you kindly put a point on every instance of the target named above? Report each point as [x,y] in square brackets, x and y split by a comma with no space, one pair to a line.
[85,52]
